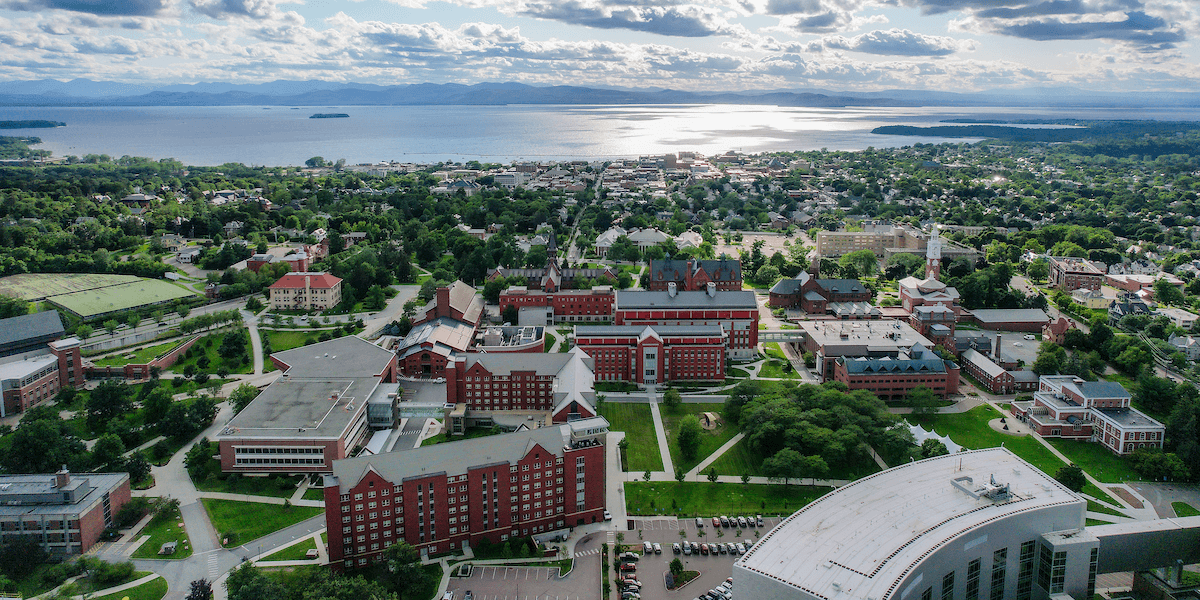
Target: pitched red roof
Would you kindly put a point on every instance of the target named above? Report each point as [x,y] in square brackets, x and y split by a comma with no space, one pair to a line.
[293,281]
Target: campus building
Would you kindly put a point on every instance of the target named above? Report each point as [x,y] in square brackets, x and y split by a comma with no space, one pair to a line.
[444,327]
[64,513]
[735,312]
[1068,407]
[993,376]
[892,379]
[980,524]
[553,277]
[445,497]
[814,296]
[316,412]
[694,275]
[651,354]
[568,306]
[1070,273]
[830,340]
[305,291]
[37,362]
[514,389]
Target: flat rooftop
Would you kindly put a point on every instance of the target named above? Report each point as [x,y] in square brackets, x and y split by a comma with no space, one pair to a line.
[292,407]
[863,539]
[857,338]
[16,485]
[642,299]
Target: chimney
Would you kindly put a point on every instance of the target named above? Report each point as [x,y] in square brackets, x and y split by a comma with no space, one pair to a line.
[712,290]
[62,478]
[671,289]
[443,301]
[999,343]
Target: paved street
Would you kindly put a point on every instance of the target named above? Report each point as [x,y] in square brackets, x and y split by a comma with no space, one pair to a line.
[499,582]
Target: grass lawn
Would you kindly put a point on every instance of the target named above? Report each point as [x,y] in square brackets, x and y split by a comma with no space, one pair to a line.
[636,422]
[697,499]
[1089,522]
[1093,506]
[137,357]
[314,494]
[740,459]
[709,441]
[287,340]
[208,346]
[165,527]
[246,521]
[775,369]
[154,589]
[471,433]
[294,552]
[275,487]
[1097,460]
[1183,509]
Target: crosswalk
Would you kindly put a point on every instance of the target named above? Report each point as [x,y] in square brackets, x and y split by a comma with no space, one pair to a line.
[587,552]
[213,569]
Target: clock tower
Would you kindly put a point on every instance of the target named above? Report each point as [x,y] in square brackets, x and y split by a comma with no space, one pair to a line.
[933,255]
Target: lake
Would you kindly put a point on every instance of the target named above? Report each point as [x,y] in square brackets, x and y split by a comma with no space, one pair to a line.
[426,134]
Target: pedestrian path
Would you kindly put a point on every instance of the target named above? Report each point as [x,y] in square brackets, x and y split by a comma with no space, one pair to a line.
[715,455]
[664,448]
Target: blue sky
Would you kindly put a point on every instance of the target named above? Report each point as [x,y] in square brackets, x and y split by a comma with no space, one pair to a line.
[953,45]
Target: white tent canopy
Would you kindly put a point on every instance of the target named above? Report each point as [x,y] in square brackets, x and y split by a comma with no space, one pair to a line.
[921,435]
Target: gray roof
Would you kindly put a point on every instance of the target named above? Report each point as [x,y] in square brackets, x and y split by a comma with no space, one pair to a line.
[100,483]
[842,286]
[894,365]
[642,299]
[676,270]
[344,357]
[667,330]
[15,330]
[1102,389]
[453,458]
[786,286]
[1010,315]
[1128,417]
[507,362]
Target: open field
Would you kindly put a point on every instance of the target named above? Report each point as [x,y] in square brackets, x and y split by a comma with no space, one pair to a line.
[693,499]
[1097,460]
[165,527]
[137,357]
[287,340]
[710,440]
[1183,509]
[36,286]
[115,298]
[241,522]
[635,421]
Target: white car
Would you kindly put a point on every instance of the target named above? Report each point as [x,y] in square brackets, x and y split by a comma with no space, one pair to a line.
[607,516]
[1030,336]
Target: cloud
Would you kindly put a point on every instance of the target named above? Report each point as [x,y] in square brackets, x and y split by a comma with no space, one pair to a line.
[224,9]
[680,21]
[129,8]
[895,42]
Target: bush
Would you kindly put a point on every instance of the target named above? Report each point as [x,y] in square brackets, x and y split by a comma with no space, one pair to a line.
[160,450]
[132,511]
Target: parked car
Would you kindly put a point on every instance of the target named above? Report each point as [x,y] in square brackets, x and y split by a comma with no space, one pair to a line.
[742,522]
[747,543]
[657,548]
[716,521]
[695,548]
[741,549]
[733,550]
[722,548]
[704,549]
[647,548]
[687,548]
[675,548]
[1030,336]
[729,580]
[629,577]
[630,556]
[759,519]
[469,596]
[699,523]
[607,516]
[724,521]
[628,567]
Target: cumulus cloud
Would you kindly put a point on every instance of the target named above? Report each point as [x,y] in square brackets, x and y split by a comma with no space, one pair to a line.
[96,7]
[224,9]
[895,42]
[680,20]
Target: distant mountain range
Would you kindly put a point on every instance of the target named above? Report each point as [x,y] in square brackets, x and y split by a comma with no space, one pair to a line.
[84,92]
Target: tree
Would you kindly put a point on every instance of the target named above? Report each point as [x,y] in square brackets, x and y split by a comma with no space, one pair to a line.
[646,475]
[41,445]
[676,568]
[316,161]
[1072,477]
[672,399]
[1050,359]
[712,475]
[689,436]
[107,451]
[109,400]
[767,274]
[1156,465]
[20,555]
[405,574]
[246,582]
[679,474]
[1038,270]
[1166,293]
[745,478]
[863,262]
[133,321]
[200,589]
[84,331]
[922,400]
[111,326]
[241,397]
[137,466]
[782,465]
[933,447]
[12,307]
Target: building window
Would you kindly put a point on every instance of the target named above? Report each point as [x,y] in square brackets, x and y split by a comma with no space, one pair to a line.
[1025,572]
[999,571]
[973,568]
[948,586]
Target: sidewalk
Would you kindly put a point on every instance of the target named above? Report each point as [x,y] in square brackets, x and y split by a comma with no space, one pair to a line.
[664,448]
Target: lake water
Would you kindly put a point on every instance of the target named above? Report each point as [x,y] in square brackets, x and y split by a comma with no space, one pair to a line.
[424,134]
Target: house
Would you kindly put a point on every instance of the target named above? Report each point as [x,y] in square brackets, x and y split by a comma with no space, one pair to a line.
[647,238]
[1092,299]
[258,261]
[1188,345]
[188,255]
[605,240]
[306,291]
[813,296]
[1055,332]
[1126,304]
[233,228]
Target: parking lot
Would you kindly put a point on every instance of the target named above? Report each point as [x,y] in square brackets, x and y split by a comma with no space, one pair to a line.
[536,583]
[666,531]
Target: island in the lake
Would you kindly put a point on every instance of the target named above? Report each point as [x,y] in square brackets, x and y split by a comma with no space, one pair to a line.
[1050,130]
[35,124]
[330,116]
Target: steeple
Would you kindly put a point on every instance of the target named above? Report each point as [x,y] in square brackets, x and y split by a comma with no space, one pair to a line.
[933,255]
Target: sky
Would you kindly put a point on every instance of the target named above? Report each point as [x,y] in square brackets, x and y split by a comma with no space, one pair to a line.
[711,45]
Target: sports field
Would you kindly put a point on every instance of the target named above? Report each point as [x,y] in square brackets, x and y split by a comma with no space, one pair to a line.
[115,298]
[37,286]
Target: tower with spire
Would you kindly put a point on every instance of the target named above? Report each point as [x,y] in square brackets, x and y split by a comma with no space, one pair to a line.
[933,255]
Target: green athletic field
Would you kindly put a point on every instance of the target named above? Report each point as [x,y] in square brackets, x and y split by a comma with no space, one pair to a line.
[114,298]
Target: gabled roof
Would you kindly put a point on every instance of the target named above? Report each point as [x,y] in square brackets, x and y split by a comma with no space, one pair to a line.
[786,286]
[318,281]
[842,286]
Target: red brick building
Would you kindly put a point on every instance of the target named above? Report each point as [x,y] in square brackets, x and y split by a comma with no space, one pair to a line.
[736,313]
[1056,331]
[570,306]
[1069,273]
[814,296]
[31,378]
[459,301]
[1099,411]
[653,354]
[65,513]
[893,379]
[441,498]
[441,329]
[694,275]
[498,388]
